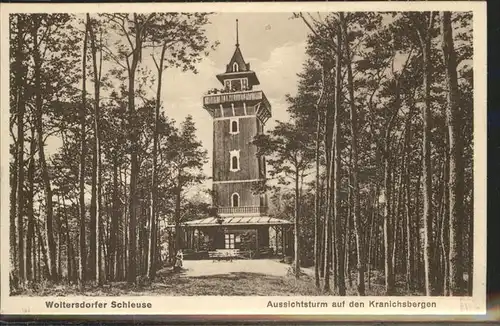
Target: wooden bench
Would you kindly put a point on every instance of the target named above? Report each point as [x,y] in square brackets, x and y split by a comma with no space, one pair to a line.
[223,254]
[266,252]
[218,256]
[246,254]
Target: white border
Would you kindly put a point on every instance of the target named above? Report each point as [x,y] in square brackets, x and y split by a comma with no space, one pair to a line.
[257,305]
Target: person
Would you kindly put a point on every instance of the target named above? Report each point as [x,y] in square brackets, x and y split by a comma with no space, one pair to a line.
[178,260]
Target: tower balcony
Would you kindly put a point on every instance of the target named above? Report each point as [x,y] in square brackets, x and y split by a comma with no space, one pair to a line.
[242,210]
[233,97]
[254,102]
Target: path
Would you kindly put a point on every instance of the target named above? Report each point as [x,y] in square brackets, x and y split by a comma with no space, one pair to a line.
[197,268]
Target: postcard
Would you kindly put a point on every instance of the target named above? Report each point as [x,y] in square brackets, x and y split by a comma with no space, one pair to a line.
[244,158]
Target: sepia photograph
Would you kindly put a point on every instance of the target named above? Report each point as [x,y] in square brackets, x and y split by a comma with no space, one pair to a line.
[313,155]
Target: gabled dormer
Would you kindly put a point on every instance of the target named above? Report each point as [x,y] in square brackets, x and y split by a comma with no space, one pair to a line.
[237,63]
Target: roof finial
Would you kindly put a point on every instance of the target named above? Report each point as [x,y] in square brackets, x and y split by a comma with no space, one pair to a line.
[237,40]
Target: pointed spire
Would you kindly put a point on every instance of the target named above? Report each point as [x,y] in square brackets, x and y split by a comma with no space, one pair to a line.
[237,40]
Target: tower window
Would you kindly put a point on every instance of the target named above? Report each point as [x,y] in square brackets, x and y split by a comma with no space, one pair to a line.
[234,126]
[235,161]
[235,67]
[262,165]
[235,200]
[236,85]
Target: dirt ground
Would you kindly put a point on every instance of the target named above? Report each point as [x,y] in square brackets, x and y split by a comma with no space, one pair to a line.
[197,268]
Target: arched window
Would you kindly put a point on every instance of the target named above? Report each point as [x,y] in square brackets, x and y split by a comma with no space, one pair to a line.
[234,126]
[235,67]
[235,200]
[234,162]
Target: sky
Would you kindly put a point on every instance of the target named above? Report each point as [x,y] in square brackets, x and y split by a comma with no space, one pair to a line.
[272,43]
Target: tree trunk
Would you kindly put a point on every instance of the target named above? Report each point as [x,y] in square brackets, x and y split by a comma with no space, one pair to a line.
[134,164]
[38,256]
[95,238]
[339,245]
[322,251]
[371,243]
[121,255]
[347,239]
[102,255]
[114,231]
[126,253]
[145,240]
[418,239]
[425,40]
[445,231]
[151,266]
[20,85]
[109,266]
[389,230]
[12,224]
[30,245]
[68,242]
[59,243]
[328,218]
[83,152]
[396,228]
[407,213]
[354,148]
[456,170]
[92,268]
[317,189]
[333,250]
[178,242]
[328,144]
[43,163]
[470,265]
[376,241]
[296,228]
[388,272]
[43,253]
[409,243]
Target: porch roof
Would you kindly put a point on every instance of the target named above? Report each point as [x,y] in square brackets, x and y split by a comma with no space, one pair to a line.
[237,221]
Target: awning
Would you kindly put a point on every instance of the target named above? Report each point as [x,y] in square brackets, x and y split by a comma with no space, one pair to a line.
[236,221]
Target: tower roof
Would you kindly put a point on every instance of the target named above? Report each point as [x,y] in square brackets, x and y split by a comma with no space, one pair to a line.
[238,59]
[237,67]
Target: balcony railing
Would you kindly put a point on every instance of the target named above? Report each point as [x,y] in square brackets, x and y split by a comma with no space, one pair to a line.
[234,97]
[242,210]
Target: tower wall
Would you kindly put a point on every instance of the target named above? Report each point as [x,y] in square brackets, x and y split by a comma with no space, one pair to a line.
[243,189]
[225,142]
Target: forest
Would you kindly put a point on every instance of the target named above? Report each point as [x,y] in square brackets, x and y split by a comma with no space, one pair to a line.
[91,213]
[374,166]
